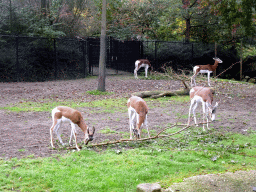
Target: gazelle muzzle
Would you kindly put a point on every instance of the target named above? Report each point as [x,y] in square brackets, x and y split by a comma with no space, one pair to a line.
[90,133]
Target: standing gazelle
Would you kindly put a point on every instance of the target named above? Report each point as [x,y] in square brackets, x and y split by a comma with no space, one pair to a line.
[66,114]
[137,111]
[202,95]
[141,63]
[205,69]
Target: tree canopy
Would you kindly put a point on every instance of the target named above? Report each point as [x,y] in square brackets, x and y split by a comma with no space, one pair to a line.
[192,20]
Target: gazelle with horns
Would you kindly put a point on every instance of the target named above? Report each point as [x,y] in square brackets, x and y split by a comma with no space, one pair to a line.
[202,95]
[141,63]
[66,114]
[205,69]
[137,111]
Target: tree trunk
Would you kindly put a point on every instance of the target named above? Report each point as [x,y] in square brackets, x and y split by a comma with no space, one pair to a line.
[187,33]
[102,62]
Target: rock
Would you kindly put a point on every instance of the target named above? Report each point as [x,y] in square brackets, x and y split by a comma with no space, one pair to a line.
[149,187]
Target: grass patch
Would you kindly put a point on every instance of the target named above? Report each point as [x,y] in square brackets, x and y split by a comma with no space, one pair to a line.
[106,105]
[107,131]
[97,106]
[233,81]
[97,92]
[118,169]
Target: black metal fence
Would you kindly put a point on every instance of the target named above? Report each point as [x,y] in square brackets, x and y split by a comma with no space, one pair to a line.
[42,59]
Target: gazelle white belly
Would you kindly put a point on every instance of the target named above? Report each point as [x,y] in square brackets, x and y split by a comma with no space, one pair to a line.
[205,71]
[65,120]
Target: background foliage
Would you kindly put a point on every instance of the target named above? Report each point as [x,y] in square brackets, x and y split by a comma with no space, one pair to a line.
[226,23]
[201,20]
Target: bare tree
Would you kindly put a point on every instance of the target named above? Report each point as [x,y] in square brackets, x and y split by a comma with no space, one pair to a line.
[102,63]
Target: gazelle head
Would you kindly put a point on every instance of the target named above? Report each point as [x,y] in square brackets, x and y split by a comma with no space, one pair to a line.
[217,59]
[89,135]
[136,132]
[211,110]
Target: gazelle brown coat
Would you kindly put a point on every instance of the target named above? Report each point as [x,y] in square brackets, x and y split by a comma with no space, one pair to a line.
[137,111]
[63,114]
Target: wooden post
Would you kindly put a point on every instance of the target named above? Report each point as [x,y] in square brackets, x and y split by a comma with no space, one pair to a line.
[241,62]
[17,60]
[55,59]
[214,73]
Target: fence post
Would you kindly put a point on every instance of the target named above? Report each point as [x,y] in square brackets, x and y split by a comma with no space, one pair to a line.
[156,54]
[88,55]
[84,58]
[17,60]
[55,59]
[192,50]
[216,46]
[241,61]
[141,49]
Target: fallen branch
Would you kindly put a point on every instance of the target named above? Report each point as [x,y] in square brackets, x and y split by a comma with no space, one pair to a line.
[157,94]
[143,139]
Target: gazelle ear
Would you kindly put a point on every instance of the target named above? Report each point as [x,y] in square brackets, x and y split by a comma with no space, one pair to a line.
[93,129]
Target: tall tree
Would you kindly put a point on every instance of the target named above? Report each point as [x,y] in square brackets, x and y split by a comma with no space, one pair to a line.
[102,62]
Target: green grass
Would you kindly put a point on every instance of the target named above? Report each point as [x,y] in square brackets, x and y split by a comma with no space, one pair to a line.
[97,92]
[97,106]
[118,168]
[233,81]
[107,130]
[106,105]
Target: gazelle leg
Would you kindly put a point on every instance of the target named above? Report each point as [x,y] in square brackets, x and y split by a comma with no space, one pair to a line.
[51,133]
[203,105]
[146,124]
[209,79]
[71,134]
[146,71]
[189,112]
[135,73]
[207,119]
[57,131]
[194,112]
[207,123]
[193,80]
[73,127]
[137,125]
[131,119]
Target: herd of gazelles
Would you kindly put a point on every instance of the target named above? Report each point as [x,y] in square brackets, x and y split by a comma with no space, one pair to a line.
[137,107]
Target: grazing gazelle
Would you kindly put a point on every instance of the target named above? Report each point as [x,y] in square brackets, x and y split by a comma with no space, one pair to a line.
[66,114]
[202,95]
[141,63]
[137,111]
[205,69]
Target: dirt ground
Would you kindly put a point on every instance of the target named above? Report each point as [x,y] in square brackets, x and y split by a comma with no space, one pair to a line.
[27,133]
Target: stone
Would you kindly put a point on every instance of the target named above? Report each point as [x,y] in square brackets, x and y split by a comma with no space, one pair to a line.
[149,187]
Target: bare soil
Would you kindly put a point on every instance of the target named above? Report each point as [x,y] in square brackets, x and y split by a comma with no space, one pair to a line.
[27,133]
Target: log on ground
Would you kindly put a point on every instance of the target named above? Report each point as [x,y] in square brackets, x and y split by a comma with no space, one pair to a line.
[157,94]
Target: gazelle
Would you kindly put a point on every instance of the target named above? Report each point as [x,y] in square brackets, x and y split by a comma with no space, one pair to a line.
[137,111]
[202,95]
[66,114]
[141,63]
[205,69]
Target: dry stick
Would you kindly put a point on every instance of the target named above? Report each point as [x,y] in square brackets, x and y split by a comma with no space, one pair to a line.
[227,69]
[144,139]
